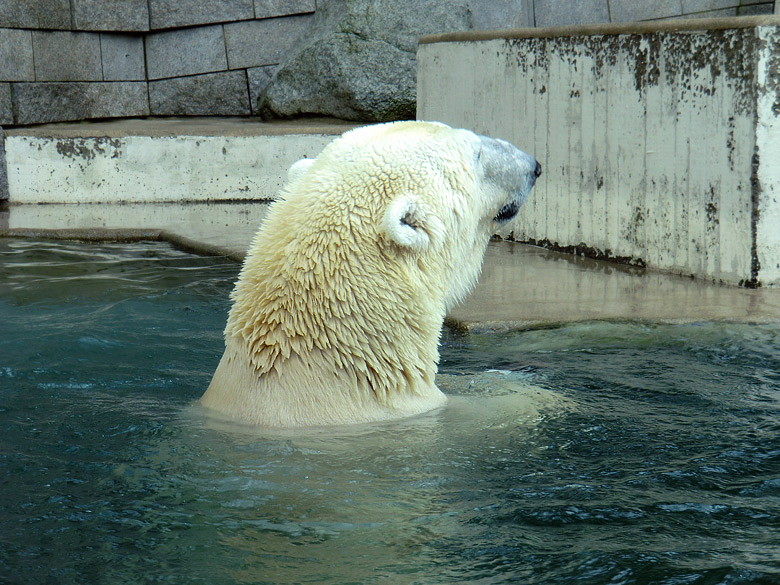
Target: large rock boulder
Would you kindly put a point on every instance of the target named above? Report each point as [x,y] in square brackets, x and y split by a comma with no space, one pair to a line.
[361,61]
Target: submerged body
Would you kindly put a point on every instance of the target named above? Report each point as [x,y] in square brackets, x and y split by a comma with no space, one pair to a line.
[339,305]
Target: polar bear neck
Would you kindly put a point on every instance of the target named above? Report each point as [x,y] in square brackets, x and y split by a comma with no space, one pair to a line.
[343,308]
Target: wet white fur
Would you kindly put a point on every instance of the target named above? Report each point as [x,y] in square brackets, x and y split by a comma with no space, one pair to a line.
[338,307]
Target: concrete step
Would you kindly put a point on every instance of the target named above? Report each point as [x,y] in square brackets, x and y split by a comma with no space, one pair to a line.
[159,160]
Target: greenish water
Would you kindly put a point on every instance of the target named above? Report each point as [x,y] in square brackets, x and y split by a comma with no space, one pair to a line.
[592,453]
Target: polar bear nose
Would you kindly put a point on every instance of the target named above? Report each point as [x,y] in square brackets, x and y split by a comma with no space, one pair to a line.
[537,170]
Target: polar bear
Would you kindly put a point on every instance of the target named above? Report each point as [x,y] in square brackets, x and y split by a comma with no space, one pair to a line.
[339,305]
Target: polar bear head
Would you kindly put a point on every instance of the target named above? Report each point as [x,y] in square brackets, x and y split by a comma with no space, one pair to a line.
[436,191]
[338,308]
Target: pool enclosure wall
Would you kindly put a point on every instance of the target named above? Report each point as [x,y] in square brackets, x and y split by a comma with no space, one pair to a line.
[660,142]
[50,165]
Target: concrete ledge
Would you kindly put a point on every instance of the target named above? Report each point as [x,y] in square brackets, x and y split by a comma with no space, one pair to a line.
[177,126]
[611,29]
[224,229]
[659,140]
[527,287]
[158,160]
[125,235]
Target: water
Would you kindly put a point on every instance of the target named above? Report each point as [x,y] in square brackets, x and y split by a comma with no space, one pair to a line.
[593,453]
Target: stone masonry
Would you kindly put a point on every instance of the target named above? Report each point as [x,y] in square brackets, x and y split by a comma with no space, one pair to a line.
[64,60]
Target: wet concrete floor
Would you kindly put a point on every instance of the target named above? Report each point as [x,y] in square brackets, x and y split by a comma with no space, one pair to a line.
[525,286]
[521,286]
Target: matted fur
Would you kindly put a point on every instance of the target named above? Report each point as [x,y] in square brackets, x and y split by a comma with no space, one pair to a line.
[338,308]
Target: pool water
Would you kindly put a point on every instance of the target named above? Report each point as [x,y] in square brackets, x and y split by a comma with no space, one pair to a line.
[591,453]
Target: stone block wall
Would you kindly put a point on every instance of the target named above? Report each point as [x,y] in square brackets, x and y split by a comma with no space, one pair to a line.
[63,60]
[66,60]
[557,13]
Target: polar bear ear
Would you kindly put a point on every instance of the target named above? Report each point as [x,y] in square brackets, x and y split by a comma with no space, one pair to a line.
[409,224]
[298,168]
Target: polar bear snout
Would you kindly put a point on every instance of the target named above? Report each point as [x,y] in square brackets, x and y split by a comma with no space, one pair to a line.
[508,173]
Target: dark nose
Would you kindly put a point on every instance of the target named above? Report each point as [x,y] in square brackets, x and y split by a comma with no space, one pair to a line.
[538,170]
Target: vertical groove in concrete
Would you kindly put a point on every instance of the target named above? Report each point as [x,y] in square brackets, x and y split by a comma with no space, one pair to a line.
[3,169]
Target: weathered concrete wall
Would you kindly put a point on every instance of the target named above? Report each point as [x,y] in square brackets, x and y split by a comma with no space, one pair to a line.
[188,168]
[158,161]
[660,143]
[767,151]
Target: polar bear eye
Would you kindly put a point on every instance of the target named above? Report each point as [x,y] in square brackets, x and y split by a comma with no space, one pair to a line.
[410,220]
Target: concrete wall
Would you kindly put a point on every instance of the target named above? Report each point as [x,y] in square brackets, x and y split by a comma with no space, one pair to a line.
[660,143]
[157,161]
[80,59]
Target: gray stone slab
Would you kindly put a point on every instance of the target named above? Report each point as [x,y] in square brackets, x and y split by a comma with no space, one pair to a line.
[501,14]
[111,15]
[632,10]
[258,80]
[67,56]
[39,103]
[273,8]
[175,13]
[6,105]
[756,9]
[557,13]
[722,13]
[215,94]
[400,23]
[264,42]
[16,55]
[689,6]
[345,77]
[185,52]
[123,57]
[51,14]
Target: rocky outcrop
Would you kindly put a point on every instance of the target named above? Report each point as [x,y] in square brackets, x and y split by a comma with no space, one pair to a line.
[360,63]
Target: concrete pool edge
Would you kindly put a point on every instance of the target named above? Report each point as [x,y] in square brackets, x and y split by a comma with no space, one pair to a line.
[522,287]
[196,159]
[606,29]
[127,236]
